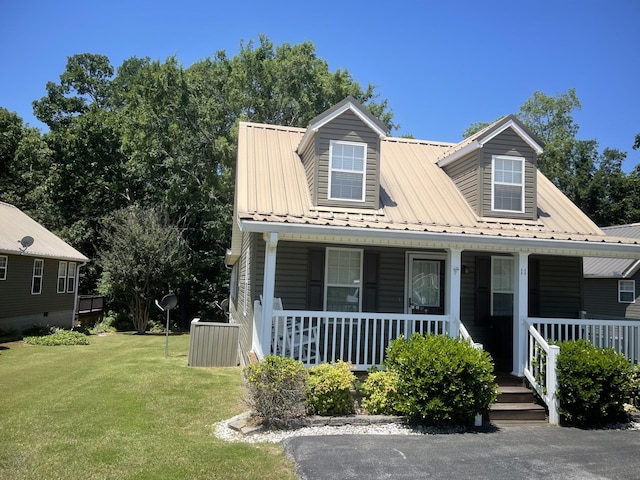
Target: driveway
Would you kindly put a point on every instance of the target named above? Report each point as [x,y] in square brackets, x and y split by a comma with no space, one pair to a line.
[510,453]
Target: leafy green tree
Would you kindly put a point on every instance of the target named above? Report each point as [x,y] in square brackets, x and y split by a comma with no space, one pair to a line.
[141,260]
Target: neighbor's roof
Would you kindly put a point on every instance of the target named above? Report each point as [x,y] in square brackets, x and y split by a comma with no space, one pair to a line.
[15,225]
[614,268]
[415,193]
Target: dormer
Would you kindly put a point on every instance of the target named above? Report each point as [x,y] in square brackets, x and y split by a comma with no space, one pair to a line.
[496,170]
[340,152]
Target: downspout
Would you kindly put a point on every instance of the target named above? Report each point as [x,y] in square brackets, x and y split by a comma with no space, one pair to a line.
[75,295]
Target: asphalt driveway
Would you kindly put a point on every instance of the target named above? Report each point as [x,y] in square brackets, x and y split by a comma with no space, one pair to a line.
[510,453]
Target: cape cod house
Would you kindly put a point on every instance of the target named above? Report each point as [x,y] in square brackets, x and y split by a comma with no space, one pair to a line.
[344,238]
[38,273]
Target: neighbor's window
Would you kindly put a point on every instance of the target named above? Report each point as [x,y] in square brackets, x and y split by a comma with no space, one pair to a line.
[4,260]
[36,282]
[626,291]
[71,277]
[347,171]
[62,277]
[502,286]
[344,278]
[507,184]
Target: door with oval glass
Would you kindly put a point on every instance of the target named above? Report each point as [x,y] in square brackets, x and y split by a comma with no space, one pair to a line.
[425,284]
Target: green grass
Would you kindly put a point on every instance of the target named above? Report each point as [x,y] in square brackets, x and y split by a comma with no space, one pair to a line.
[118,409]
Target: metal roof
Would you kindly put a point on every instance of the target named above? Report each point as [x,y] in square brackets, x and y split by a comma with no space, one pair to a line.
[614,268]
[15,225]
[415,194]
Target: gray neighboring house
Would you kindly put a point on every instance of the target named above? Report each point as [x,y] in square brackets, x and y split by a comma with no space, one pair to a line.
[39,283]
[611,284]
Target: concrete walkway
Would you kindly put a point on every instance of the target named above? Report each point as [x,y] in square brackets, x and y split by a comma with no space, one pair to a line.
[510,453]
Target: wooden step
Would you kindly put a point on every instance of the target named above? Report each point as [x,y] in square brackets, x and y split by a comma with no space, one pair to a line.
[515,395]
[516,412]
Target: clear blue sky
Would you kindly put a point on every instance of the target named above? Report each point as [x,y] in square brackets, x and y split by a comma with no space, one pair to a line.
[441,64]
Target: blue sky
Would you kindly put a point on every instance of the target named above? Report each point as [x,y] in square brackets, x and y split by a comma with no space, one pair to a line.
[442,65]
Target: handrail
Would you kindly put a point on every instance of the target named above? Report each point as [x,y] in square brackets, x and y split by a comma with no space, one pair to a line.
[540,370]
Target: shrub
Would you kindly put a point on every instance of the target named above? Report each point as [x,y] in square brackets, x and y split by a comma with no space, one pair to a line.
[61,337]
[39,331]
[441,380]
[592,384]
[381,393]
[276,388]
[634,385]
[329,389]
[105,326]
[9,335]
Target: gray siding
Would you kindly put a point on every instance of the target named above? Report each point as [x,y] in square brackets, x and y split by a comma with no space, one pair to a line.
[601,299]
[466,175]
[560,286]
[348,127]
[509,143]
[308,157]
[19,308]
[241,309]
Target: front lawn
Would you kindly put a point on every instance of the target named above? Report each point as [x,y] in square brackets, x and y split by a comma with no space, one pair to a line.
[117,409]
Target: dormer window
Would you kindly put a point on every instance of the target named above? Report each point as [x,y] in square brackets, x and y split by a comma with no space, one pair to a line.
[347,169]
[507,183]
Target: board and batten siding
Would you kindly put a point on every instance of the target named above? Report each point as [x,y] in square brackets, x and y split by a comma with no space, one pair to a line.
[466,176]
[347,127]
[509,143]
[19,308]
[601,299]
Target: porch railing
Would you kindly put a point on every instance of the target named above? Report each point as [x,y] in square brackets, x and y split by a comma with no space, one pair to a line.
[540,370]
[360,338]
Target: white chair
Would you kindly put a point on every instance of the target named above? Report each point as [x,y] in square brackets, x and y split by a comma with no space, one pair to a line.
[293,339]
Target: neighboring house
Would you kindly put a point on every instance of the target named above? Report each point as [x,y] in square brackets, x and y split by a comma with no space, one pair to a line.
[611,285]
[38,273]
[344,238]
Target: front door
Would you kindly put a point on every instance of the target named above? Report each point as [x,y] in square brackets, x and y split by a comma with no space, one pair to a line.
[425,282]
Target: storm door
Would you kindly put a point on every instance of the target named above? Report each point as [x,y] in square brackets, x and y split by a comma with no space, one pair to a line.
[425,285]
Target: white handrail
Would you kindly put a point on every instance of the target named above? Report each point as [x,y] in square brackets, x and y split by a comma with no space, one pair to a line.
[541,371]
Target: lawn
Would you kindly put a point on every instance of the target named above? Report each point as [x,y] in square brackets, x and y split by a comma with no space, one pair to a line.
[118,409]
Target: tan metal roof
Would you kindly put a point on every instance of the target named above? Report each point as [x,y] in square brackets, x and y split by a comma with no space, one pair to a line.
[15,225]
[416,194]
[614,267]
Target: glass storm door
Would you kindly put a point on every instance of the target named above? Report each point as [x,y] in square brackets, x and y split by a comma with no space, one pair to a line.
[426,286]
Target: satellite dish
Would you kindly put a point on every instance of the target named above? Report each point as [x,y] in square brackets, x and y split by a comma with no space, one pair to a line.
[168,302]
[26,242]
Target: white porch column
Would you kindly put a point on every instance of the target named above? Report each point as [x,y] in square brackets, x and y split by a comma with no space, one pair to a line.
[268,288]
[452,291]
[520,312]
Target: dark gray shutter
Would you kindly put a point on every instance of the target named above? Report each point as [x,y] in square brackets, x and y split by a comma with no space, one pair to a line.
[370,281]
[534,287]
[315,280]
[483,290]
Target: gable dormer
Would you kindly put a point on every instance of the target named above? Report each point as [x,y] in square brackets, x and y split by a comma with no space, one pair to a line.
[340,152]
[496,170]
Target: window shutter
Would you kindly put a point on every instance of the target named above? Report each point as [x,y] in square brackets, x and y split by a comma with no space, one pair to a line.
[315,280]
[370,281]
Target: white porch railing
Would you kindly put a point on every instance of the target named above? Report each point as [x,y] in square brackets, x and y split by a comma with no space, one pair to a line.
[360,338]
[540,370]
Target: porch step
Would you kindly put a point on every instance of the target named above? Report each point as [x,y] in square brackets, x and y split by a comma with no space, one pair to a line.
[515,395]
[515,404]
[516,412]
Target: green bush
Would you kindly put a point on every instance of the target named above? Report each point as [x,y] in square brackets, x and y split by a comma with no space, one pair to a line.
[61,337]
[105,326]
[39,331]
[634,385]
[593,384]
[276,388]
[329,389]
[381,393]
[441,380]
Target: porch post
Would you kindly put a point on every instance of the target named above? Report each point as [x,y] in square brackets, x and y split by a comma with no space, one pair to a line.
[452,291]
[268,288]
[520,312]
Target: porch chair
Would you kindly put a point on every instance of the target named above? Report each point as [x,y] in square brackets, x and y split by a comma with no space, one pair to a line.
[289,335]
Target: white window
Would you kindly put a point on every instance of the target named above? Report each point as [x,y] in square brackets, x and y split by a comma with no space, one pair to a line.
[507,184]
[71,277]
[347,170]
[36,282]
[626,291]
[62,277]
[4,261]
[502,286]
[343,280]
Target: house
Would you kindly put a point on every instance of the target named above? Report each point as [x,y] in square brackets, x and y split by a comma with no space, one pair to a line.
[38,273]
[344,238]
[610,284]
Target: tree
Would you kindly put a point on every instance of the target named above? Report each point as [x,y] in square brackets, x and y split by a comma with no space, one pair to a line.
[142,259]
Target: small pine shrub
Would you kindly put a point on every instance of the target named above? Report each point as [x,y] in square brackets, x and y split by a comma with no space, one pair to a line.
[105,326]
[61,337]
[441,380]
[276,388]
[381,393]
[329,389]
[593,384]
[634,385]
